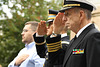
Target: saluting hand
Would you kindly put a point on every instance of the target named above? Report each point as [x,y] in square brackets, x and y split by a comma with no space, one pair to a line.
[42,29]
[58,25]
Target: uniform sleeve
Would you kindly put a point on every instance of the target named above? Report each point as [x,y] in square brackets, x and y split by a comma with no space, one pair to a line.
[40,45]
[56,53]
[93,51]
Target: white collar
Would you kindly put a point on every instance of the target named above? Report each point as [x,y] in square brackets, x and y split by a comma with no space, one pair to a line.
[63,35]
[80,31]
[29,45]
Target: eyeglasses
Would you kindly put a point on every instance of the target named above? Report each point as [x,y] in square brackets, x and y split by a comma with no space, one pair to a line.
[25,30]
[49,24]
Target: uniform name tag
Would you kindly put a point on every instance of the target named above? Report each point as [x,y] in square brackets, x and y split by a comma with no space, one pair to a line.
[78,51]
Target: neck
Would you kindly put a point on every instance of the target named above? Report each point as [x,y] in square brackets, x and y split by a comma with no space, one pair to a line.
[29,42]
[63,32]
[82,24]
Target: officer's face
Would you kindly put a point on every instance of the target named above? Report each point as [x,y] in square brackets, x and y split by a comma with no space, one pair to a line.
[27,34]
[71,19]
[50,28]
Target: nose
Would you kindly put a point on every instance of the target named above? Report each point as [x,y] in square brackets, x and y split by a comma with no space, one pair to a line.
[48,27]
[22,33]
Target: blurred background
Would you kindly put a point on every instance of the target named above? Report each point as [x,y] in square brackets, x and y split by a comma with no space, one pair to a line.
[13,15]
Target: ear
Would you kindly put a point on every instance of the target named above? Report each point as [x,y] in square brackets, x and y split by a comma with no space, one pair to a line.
[82,15]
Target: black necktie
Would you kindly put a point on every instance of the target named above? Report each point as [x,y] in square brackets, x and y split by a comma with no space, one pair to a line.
[73,39]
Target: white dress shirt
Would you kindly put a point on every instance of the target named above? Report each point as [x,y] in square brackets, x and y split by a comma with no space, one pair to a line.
[80,31]
[32,61]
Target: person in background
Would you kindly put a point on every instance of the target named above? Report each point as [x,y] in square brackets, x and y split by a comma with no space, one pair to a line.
[84,48]
[48,30]
[28,57]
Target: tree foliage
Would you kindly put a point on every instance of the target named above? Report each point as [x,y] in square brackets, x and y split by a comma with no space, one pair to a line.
[22,11]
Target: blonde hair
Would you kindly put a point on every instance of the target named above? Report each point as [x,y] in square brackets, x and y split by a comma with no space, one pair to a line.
[34,24]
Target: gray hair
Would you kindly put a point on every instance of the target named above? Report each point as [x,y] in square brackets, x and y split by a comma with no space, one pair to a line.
[87,12]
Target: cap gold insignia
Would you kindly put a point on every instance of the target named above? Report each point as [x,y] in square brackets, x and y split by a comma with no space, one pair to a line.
[68,5]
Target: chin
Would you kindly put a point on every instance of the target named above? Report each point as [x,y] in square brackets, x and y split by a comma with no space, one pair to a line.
[69,28]
[49,33]
[23,41]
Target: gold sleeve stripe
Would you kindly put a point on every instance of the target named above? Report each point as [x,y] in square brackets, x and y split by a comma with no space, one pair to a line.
[54,43]
[51,18]
[50,50]
[68,5]
[52,14]
[55,47]
[40,43]
[52,46]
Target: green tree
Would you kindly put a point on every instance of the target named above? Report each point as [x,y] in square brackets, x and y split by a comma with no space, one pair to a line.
[22,11]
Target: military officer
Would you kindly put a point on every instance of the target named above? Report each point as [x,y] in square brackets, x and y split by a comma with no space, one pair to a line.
[40,41]
[84,49]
